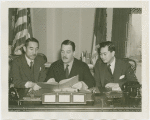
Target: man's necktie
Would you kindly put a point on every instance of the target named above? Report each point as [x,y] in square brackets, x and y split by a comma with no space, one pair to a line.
[32,71]
[108,66]
[67,71]
[31,65]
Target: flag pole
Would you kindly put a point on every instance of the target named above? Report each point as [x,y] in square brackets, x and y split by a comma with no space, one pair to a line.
[93,31]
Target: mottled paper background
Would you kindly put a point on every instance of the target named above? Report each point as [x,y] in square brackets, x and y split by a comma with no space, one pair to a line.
[74,115]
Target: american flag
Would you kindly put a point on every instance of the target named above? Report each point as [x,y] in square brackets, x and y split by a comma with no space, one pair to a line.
[21,23]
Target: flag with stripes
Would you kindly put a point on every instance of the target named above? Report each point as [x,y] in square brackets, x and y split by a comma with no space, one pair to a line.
[22,28]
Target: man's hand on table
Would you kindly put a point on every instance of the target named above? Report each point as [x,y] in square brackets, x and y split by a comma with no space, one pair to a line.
[33,86]
[51,80]
[110,85]
[113,86]
[94,90]
[29,84]
[36,87]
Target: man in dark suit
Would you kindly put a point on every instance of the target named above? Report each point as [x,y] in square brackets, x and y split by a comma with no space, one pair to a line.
[111,72]
[68,66]
[28,69]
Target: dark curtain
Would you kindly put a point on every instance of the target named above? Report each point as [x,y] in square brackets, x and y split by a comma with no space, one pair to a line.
[119,30]
[100,25]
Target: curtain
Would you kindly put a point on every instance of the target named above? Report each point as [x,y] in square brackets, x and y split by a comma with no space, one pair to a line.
[100,25]
[100,30]
[120,30]
[134,35]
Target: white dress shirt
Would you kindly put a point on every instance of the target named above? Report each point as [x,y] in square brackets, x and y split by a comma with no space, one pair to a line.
[28,60]
[112,65]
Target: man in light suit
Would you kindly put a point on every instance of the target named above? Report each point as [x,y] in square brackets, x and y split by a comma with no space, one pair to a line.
[68,66]
[28,69]
[111,72]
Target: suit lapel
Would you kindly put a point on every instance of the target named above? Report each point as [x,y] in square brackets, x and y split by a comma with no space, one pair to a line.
[117,70]
[60,70]
[74,68]
[25,67]
[37,69]
[102,73]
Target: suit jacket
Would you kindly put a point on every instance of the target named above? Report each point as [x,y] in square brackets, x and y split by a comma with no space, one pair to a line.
[80,68]
[121,68]
[21,72]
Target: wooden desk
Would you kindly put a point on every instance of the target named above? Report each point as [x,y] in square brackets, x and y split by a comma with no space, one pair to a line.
[71,108]
[99,105]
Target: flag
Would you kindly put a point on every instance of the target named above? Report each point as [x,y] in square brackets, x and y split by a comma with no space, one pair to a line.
[99,34]
[94,51]
[22,29]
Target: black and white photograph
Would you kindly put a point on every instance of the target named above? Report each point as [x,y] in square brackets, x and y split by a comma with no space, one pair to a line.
[82,60]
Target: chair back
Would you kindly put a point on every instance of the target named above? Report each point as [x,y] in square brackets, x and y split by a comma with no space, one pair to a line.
[11,58]
[131,62]
[44,56]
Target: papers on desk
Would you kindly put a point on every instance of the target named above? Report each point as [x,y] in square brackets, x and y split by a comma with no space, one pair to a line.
[52,84]
[66,85]
[75,88]
[80,86]
[66,90]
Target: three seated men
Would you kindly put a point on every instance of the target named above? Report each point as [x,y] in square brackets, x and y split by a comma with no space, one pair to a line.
[28,69]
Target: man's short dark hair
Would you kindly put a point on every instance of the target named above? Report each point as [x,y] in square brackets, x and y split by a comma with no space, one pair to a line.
[31,40]
[111,46]
[69,42]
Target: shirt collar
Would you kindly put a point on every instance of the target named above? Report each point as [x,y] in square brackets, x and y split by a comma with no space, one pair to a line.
[113,62]
[70,64]
[28,60]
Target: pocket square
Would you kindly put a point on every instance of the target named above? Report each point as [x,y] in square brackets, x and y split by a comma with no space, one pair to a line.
[122,76]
